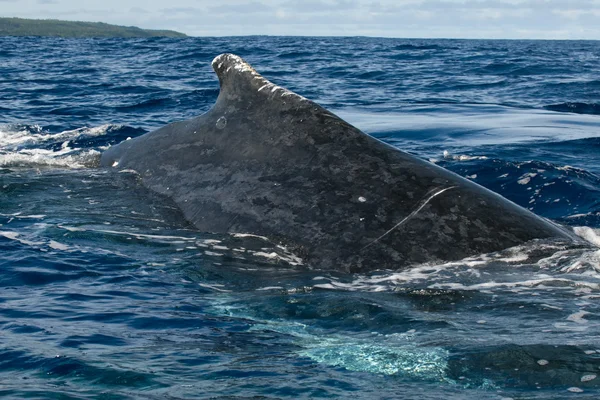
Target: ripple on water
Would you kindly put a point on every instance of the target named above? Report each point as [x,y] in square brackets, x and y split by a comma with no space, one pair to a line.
[108,292]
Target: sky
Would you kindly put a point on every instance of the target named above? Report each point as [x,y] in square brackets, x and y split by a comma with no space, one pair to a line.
[476,19]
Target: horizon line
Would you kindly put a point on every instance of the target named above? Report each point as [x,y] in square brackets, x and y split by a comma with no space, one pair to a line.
[307,36]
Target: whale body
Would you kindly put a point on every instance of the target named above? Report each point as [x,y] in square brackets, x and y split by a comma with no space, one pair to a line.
[268,162]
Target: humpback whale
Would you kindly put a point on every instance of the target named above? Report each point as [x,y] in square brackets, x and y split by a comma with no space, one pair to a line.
[266,161]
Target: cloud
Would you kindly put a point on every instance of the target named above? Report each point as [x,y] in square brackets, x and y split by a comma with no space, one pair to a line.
[138,10]
[180,10]
[243,8]
[574,14]
[321,6]
[398,18]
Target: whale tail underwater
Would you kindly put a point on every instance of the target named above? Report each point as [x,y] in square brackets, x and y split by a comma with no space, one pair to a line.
[268,162]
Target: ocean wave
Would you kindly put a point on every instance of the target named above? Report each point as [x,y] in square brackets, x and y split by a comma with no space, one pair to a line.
[46,158]
[32,146]
[537,265]
[16,136]
[548,189]
[146,104]
[409,46]
[575,107]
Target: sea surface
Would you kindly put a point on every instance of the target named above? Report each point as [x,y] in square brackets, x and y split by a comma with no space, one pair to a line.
[106,292]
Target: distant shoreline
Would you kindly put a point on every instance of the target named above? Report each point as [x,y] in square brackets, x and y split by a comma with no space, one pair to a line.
[76,29]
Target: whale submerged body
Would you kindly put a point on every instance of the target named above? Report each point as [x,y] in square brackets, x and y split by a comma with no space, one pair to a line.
[269,162]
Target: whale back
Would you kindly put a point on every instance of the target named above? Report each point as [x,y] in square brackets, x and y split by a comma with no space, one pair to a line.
[269,162]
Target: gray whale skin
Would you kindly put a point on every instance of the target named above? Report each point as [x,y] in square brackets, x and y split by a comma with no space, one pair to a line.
[268,162]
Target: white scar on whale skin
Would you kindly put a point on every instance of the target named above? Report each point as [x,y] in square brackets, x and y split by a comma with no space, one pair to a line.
[241,66]
[412,214]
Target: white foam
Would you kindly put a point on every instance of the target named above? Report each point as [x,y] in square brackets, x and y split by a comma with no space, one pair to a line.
[13,138]
[18,238]
[267,288]
[71,228]
[462,157]
[247,235]
[22,147]
[578,317]
[18,215]
[489,272]
[530,283]
[526,178]
[140,235]
[589,234]
[273,256]
[568,168]
[9,235]
[57,246]
[42,157]
[214,247]
[215,287]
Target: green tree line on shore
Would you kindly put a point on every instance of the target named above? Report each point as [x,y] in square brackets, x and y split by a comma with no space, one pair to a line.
[75,29]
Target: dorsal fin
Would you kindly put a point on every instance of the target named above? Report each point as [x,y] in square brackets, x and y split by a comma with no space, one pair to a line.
[231,67]
[237,78]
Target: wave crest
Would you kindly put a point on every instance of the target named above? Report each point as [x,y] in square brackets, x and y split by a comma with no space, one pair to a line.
[24,145]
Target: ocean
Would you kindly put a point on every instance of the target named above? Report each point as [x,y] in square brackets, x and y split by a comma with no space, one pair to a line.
[107,292]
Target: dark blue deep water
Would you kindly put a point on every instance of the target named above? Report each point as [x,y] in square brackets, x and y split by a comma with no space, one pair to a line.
[106,292]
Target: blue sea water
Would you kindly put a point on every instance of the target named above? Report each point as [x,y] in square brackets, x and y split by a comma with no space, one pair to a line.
[107,292]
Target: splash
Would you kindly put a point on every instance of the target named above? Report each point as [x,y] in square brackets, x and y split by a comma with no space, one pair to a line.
[31,146]
[536,265]
[462,157]
[589,234]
